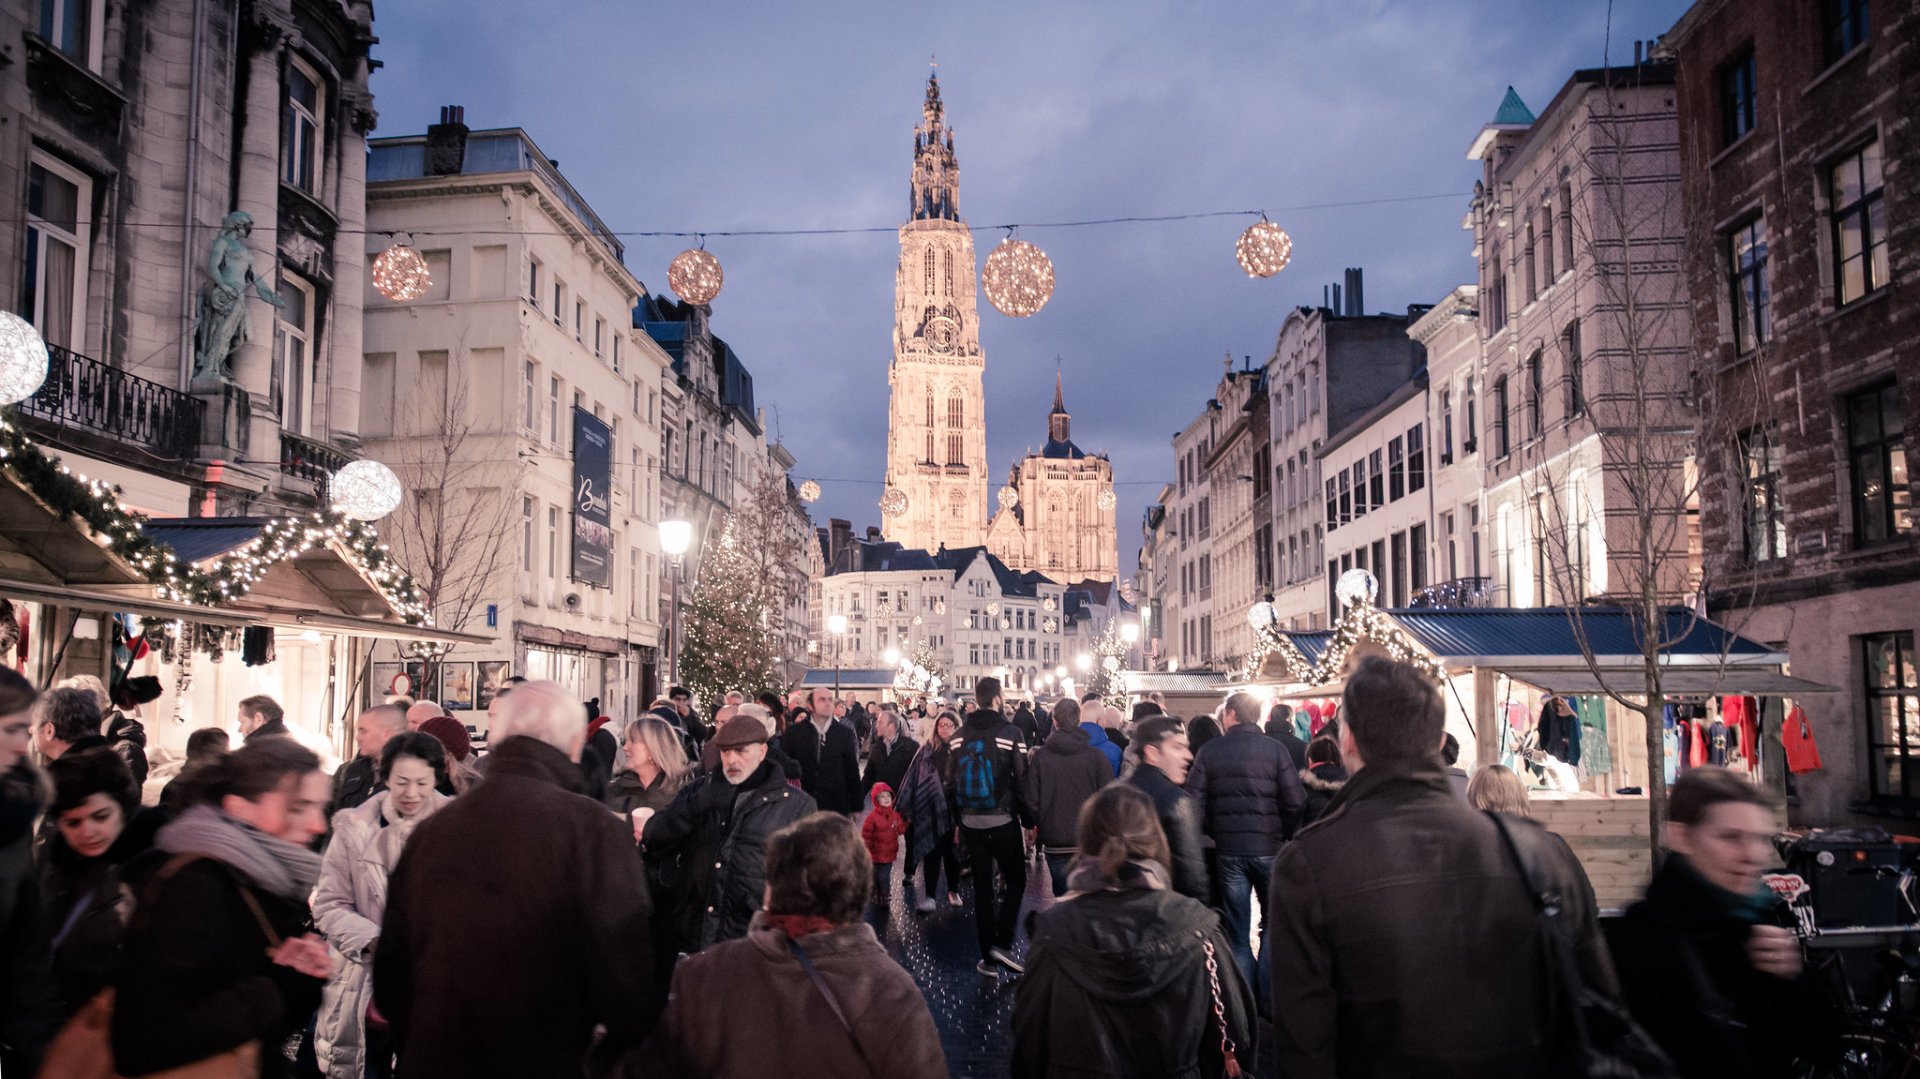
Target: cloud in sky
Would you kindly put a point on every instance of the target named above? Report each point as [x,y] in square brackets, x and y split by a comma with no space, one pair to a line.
[726,115]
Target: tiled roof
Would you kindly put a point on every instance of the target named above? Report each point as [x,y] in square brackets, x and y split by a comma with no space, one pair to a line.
[1513,110]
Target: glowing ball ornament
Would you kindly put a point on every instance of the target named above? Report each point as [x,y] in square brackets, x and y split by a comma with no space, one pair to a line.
[993,608]
[1017,278]
[1111,663]
[1009,497]
[1264,249]
[894,502]
[365,490]
[23,359]
[400,274]
[810,491]
[694,275]
[1354,586]
[1105,499]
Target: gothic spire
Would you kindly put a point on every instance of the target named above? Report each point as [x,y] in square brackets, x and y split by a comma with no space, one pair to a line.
[936,172]
[1059,394]
[1059,424]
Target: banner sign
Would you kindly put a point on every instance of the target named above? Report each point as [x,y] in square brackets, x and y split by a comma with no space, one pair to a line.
[592,500]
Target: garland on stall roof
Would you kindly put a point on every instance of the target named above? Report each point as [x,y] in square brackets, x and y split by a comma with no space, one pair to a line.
[98,505]
[1361,621]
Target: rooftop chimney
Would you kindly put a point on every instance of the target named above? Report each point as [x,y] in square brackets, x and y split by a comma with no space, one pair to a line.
[447,142]
[1356,293]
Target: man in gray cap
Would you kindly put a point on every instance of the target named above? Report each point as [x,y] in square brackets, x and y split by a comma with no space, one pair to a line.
[719,824]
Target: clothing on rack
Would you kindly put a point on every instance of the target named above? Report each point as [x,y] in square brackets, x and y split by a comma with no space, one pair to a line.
[1670,747]
[1743,715]
[1803,754]
[1596,751]
[1559,730]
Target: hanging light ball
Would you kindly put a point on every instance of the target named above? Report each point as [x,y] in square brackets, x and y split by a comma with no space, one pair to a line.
[365,490]
[1017,278]
[1111,663]
[1356,585]
[1050,625]
[23,359]
[1263,250]
[810,491]
[694,275]
[1009,497]
[1105,499]
[993,608]
[1047,604]
[400,274]
[894,502]
[940,606]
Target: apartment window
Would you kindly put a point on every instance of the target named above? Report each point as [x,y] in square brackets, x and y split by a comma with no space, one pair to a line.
[599,336]
[1453,546]
[1566,227]
[1333,507]
[54,279]
[1416,457]
[1536,390]
[1546,241]
[1396,469]
[559,302]
[1375,482]
[1893,714]
[633,582]
[1502,438]
[1360,503]
[1397,586]
[72,26]
[1576,369]
[1882,491]
[1496,290]
[1578,518]
[1859,224]
[1346,498]
[553,542]
[1762,489]
[1843,27]
[1417,558]
[1469,436]
[553,411]
[533,281]
[580,323]
[1736,97]
[1446,427]
[616,352]
[293,349]
[526,534]
[1473,536]
[1747,272]
[1530,266]
[300,145]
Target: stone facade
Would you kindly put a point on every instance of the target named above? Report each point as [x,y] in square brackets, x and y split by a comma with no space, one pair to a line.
[1450,334]
[1057,523]
[1386,526]
[1789,124]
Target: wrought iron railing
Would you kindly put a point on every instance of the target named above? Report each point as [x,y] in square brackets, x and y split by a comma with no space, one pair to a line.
[1459,592]
[309,460]
[84,393]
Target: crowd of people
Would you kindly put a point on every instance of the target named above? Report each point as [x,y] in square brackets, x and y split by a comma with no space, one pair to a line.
[694,891]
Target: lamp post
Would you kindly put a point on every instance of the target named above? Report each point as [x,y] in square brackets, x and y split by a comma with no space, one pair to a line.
[675,537]
[836,625]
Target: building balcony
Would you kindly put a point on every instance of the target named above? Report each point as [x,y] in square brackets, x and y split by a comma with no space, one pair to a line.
[84,394]
[303,458]
[1459,592]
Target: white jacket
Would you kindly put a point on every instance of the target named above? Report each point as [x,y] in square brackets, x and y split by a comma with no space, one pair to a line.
[348,902]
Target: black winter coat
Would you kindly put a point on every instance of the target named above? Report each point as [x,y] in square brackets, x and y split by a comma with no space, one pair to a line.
[1322,782]
[888,766]
[1250,796]
[129,739]
[1682,957]
[831,774]
[1378,908]
[195,979]
[1116,985]
[1180,820]
[353,783]
[713,837]
[1061,775]
[516,921]
[89,898]
[29,999]
[1281,731]
[1010,760]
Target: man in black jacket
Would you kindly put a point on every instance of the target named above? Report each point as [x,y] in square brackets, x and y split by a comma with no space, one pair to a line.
[828,756]
[1251,802]
[356,781]
[1396,898]
[262,717]
[986,771]
[517,918]
[1061,775]
[1164,759]
[891,753]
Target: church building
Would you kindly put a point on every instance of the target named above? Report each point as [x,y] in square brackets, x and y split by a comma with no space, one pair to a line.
[1057,509]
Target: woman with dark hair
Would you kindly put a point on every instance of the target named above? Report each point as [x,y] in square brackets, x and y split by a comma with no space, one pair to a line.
[1324,777]
[216,961]
[1200,731]
[927,803]
[29,997]
[90,869]
[1126,977]
[351,899]
[817,990]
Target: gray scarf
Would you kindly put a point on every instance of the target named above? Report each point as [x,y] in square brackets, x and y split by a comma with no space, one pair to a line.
[278,866]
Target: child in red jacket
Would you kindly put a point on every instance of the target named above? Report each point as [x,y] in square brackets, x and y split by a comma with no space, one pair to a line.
[881,833]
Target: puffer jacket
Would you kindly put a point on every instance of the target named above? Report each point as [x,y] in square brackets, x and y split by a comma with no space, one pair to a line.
[1098,739]
[349,901]
[717,833]
[1061,775]
[1250,796]
[1116,985]
[1180,820]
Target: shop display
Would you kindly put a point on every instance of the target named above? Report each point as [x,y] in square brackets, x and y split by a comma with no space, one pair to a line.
[1803,753]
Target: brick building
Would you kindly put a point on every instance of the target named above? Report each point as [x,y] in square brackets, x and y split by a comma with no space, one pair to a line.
[1796,132]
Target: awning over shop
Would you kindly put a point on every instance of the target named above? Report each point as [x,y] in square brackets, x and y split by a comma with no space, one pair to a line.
[1175,681]
[851,678]
[321,578]
[40,545]
[1674,681]
[102,602]
[1503,637]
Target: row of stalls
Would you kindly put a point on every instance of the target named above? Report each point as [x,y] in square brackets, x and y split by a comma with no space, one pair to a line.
[186,617]
[1556,694]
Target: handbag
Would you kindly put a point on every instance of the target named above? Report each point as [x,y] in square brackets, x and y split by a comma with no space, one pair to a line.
[1227,1048]
[1589,1034]
[84,1047]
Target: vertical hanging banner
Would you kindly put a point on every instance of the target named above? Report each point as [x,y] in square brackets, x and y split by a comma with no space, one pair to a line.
[592,500]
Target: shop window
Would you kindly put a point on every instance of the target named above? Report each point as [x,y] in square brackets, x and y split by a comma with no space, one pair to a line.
[1737,98]
[54,279]
[1877,450]
[301,148]
[1859,218]
[1892,692]
[1747,274]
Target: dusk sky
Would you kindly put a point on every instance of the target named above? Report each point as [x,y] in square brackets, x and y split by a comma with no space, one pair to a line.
[724,115]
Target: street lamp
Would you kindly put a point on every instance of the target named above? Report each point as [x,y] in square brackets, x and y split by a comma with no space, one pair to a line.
[891,657]
[1083,661]
[675,537]
[837,625]
[1130,632]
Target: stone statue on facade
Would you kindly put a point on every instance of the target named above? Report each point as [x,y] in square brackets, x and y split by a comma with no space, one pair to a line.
[223,325]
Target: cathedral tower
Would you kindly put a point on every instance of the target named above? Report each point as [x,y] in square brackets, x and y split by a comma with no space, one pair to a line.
[936,421]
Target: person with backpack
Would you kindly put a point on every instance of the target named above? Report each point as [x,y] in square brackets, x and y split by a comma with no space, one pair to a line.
[987,773]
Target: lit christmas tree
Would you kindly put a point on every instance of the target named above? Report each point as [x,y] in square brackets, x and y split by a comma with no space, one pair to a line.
[729,641]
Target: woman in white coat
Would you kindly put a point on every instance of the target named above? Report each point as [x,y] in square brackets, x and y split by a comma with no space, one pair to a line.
[352,895]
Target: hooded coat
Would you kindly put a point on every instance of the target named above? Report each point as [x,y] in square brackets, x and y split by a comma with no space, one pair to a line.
[1322,782]
[881,831]
[1117,985]
[1098,739]
[1061,775]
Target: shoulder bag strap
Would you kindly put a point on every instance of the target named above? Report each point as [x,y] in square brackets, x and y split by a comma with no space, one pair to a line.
[833,1002]
[1228,1051]
[180,861]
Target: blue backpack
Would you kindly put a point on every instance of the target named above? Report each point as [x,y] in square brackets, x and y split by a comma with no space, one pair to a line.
[977,779]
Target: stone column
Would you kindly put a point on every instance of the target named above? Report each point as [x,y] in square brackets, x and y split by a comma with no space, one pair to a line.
[346,356]
[258,194]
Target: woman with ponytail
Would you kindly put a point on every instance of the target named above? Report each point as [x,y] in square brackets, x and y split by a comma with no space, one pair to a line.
[1126,977]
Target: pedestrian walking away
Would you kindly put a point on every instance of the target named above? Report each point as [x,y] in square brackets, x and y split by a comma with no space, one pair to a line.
[1061,775]
[987,769]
